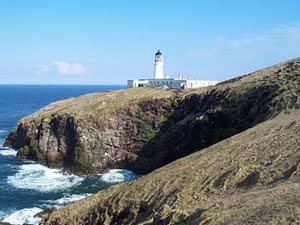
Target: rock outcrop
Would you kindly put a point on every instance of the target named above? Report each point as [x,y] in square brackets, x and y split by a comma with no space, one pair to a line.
[247,172]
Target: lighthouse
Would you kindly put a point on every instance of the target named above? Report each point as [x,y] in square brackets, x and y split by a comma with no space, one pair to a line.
[165,81]
[158,66]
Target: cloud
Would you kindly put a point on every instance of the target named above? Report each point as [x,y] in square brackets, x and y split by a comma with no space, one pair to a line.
[44,68]
[64,67]
[226,57]
[41,69]
[282,40]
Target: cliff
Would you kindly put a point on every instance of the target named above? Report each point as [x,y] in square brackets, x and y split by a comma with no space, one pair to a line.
[247,171]
[94,132]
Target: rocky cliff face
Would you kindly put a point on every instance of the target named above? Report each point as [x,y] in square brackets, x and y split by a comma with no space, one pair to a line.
[251,177]
[94,132]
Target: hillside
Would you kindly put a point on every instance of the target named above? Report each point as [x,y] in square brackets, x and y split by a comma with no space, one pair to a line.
[247,171]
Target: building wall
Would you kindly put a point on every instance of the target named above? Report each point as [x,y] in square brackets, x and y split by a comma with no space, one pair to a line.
[171,83]
[130,83]
[178,83]
[137,83]
[160,82]
[200,83]
[158,69]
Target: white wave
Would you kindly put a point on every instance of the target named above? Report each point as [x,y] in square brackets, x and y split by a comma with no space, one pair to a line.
[2,215]
[68,199]
[3,131]
[7,152]
[118,175]
[24,216]
[41,178]
[2,139]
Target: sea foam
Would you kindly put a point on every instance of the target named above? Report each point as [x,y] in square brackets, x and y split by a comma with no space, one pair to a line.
[67,199]
[118,175]
[3,131]
[71,198]
[8,152]
[41,178]
[24,216]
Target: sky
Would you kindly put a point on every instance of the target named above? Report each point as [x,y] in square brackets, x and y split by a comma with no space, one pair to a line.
[109,42]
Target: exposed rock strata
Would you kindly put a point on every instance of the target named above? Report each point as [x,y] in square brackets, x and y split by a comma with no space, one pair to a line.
[251,177]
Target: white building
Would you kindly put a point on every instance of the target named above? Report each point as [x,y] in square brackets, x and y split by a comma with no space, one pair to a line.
[159,80]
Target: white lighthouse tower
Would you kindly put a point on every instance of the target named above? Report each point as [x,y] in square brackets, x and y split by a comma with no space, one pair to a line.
[158,66]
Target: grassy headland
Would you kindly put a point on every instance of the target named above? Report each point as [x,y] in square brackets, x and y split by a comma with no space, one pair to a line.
[240,138]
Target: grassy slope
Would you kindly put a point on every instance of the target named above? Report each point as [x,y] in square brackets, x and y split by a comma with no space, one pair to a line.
[249,178]
[216,184]
[102,103]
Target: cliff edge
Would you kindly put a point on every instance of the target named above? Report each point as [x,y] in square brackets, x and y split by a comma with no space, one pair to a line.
[247,171]
[94,132]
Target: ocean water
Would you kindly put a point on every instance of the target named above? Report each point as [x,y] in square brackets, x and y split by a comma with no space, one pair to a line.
[26,187]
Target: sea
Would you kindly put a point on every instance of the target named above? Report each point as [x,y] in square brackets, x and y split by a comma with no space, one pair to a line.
[26,187]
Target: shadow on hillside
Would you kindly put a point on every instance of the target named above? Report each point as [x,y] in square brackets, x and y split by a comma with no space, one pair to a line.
[201,120]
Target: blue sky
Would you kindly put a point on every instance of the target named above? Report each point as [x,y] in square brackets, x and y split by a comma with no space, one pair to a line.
[108,42]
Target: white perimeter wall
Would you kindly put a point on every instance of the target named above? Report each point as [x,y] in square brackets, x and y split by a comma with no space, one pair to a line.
[172,83]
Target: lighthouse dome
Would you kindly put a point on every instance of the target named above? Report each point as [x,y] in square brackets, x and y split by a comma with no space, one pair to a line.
[158,53]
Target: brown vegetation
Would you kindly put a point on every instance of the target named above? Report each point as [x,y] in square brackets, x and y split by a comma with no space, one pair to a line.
[249,178]
[241,137]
